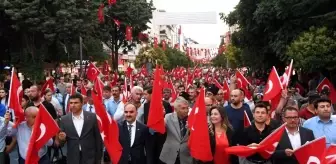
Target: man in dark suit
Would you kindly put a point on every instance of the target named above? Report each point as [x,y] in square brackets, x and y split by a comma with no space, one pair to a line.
[134,137]
[156,139]
[293,137]
[79,129]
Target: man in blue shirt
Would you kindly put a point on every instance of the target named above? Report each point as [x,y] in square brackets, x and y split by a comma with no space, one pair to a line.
[324,124]
[112,103]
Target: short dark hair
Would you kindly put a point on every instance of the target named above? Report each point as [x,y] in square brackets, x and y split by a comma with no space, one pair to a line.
[289,108]
[319,100]
[77,96]
[180,86]
[116,86]
[25,97]
[107,88]
[149,89]
[260,105]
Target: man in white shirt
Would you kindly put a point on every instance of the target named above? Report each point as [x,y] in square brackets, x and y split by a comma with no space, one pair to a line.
[292,138]
[136,94]
[89,107]
[79,130]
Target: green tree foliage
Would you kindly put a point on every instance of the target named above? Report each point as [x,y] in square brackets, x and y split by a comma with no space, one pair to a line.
[177,58]
[314,50]
[152,55]
[134,13]
[231,56]
[266,28]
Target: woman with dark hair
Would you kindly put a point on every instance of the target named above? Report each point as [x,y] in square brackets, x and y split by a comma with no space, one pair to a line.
[221,137]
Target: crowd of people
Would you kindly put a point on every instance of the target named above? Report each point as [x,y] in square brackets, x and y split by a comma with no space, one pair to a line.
[307,117]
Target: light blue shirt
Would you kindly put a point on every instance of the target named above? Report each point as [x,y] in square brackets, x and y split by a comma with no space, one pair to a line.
[23,134]
[320,128]
[111,106]
[3,133]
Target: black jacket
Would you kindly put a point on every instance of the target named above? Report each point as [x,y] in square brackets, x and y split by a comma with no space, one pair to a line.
[280,157]
[166,106]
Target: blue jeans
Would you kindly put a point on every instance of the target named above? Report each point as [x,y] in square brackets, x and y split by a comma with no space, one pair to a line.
[43,160]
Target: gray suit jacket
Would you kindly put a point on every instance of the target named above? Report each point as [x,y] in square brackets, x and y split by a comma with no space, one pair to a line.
[90,140]
[174,145]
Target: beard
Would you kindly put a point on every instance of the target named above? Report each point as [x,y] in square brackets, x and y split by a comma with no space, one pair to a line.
[35,98]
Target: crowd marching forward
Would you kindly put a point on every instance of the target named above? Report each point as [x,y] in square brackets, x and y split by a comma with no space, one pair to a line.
[239,120]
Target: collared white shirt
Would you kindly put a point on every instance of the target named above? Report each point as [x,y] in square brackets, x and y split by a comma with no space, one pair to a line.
[88,108]
[133,131]
[78,121]
[67,96]
[294,139]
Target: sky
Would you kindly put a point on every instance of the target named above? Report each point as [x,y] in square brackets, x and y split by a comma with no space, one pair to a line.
[202,33]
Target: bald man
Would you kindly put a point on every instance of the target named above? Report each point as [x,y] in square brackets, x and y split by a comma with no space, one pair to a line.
[23,133]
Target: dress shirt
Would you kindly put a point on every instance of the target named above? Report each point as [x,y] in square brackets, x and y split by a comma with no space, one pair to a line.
[88,108]
[320,128]
[23,134]
[294,139]
[78,121]
[119,114]
[140,116]
[112,105]
[3,133]
[133,131]
[66,100]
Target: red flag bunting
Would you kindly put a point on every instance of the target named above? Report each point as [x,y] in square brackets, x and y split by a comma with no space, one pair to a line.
[129,33]
[101,16]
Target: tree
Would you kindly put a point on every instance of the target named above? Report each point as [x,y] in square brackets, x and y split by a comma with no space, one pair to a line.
[266,28]
[219,61]
[132,13]
[44,31]
[177,58]
[151,55]
[314,50]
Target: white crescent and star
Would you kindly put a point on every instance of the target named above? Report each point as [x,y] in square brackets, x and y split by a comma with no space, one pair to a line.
[43,131]
[94,71]
[270,86]
[313,159]
[18,93]
[275,144]
[101,124]
[240,82]
[285,78]
[325,86]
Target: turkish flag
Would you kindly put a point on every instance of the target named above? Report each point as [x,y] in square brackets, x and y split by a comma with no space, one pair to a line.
[226,90]
[44,128]
[108,127]
[111,2]
[325,83]
[199,139]
[144,70]
[155,42]
[98,87]
[117,22]
[83,90]
[330,157]
[312,152]
[247,121]
[101,16]
[217,84]
[243,84]
[155,116]
[48,84]
[115,79]
[273,87]
[163,42]
[268,145]
[14,99]
[285,78]
[299,88]
[128,33]
[241,151]
[129,71]
[92,72]
[106,68]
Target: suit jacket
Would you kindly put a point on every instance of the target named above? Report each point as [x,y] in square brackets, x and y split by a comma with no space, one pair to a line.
[90,140]
[140,151]
[280,157]
[65,103]
[175,145]
[229,134]
[166,106]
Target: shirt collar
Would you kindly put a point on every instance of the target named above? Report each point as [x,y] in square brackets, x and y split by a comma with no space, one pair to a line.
[131,123]
[297,131]
[330,120]
[81,116]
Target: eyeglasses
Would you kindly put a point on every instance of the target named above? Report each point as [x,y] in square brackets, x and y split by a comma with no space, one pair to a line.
[290,118]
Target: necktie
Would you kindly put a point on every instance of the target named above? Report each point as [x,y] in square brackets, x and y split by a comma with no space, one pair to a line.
[130,139]
[90,108]
[182,128]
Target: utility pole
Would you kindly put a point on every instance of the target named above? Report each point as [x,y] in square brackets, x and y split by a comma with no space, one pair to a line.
[81,56]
